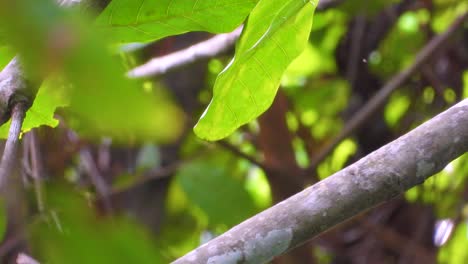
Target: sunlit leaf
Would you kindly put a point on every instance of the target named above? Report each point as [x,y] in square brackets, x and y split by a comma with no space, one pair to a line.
[274,36]
[144,20]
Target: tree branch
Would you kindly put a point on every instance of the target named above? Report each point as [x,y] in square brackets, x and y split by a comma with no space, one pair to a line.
[204,50]
[379,177]
[382,95]
[225,144]
[11,146]
[14,87]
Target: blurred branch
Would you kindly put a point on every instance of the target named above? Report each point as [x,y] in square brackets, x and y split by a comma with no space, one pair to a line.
[325,4]
[378,177]
[379,99]
[204,50]
[11,146]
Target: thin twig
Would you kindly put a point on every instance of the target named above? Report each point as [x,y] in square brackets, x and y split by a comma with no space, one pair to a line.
[241,154]
[356,41]
[89,165]
[382,95]
[36,169]
[11,146]
[204,50]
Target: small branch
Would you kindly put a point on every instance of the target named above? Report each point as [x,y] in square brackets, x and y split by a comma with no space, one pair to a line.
[237,152]
[379,177]
[11,146]
[204,50]
[33,163]
[89,165]
[326,4]
[14,87]
[382,95]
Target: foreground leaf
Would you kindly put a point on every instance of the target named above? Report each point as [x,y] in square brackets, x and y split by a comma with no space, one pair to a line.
[272,39]
[145,20]
[102,101]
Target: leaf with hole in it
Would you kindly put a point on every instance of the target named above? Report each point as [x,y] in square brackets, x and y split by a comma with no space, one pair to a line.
[272,39]
[146,20]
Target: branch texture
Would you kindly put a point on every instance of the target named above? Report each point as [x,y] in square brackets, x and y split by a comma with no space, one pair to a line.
[378,177]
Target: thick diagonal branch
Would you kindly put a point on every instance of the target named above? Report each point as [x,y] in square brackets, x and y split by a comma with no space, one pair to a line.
[378,177]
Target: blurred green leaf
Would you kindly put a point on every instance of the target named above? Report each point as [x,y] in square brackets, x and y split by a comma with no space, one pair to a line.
[102,101]
[455,250]
[443,190]
[183,224]
[145,20]
[259,188]
[391,55]
[210,184]
[273,37]
[71,233]
[396,108]
[6,54]
[446,12]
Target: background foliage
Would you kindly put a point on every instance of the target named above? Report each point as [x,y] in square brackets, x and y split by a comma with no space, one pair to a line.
[123,176]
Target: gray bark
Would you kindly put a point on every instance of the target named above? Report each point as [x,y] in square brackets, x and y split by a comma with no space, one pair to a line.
[376,178]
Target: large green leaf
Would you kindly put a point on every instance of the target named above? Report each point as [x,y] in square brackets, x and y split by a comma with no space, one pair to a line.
[145,20]
[276,33]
